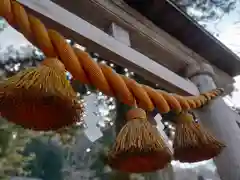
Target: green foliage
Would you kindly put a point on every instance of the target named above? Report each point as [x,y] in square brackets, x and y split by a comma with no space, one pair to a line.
[12,141]
[33,154]
[48,162]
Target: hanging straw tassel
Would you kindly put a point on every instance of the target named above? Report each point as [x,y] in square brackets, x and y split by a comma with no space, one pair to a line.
[193,143]
[40,98]
[139,147]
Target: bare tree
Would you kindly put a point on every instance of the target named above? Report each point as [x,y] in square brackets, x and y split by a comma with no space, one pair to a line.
[204,10]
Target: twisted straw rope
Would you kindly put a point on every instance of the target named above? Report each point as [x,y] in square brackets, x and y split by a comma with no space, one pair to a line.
[87,71]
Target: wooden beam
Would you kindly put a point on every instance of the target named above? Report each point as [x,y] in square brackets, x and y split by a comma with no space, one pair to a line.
[97,40]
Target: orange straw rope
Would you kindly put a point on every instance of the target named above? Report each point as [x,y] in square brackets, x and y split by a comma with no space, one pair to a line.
[87,71]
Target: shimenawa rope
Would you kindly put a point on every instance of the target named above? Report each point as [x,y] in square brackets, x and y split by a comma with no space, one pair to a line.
[87,71]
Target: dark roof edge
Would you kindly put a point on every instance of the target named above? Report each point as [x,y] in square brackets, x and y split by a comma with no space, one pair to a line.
[203,29]
[177,23]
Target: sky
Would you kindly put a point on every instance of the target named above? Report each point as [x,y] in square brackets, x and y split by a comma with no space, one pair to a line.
[229,34]
[228,29]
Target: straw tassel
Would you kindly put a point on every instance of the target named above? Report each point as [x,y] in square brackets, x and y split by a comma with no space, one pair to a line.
[40,98]
[193,143]
[138,147]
